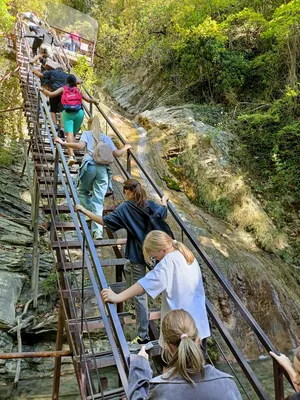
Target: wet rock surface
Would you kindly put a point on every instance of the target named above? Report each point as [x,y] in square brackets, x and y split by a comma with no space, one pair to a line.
[267,286]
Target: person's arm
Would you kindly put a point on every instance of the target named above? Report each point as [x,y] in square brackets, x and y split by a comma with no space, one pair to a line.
[37,73]
[285,362]
[77,146]
[89,99]
[120,152]
[110,296]
[34,59]
[160,211]
[94,217]
[140,374]
[56,92]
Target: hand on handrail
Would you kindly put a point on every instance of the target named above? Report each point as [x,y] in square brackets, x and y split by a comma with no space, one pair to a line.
[79,207]
[58,140]
[165,200]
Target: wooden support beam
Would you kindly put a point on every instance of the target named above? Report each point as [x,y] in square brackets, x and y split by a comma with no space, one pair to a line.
[37,354]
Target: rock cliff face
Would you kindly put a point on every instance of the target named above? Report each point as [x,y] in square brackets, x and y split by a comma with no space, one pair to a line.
[15,270]
[179,148]
[15,239]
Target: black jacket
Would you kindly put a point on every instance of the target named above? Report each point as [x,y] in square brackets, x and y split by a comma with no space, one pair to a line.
[136,224]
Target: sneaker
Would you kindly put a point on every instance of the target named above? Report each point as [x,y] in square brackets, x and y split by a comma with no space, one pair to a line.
[71,161]
[139,341]
[61,133]
[97,235]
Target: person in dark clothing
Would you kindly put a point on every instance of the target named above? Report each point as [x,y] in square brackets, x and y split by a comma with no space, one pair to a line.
[37,38]
[57,78]
[43,38]
[42,57]
[131,216]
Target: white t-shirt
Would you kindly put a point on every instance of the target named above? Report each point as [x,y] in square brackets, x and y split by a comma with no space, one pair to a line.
[181,286]
[88,138]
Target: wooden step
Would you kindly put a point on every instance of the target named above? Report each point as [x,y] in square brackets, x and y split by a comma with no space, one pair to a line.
[62,194]
[46,193]
[88,290]
[65,226]
[36,155]
[75,244]
[75,265]
[50,157]
[93,324]
[106,359]
[64,208]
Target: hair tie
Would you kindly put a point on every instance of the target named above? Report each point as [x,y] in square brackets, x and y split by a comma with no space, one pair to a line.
[174,242]
[183,336]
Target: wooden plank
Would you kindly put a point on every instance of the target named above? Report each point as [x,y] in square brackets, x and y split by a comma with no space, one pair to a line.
[104,263]
[75,244]
[93,324]
[88,290]
[64,208]
[106,359]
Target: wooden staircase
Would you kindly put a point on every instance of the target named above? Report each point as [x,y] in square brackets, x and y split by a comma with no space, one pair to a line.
[78,264]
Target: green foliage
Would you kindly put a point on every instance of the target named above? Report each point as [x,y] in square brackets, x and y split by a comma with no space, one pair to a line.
[49,286]
[11,122]
[9,154]
[84,71]
[6,19]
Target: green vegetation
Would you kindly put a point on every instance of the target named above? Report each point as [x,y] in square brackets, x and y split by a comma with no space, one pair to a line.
[242,56]
[11,122]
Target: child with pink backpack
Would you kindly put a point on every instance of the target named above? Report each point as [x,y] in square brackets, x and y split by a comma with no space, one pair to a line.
[73,114]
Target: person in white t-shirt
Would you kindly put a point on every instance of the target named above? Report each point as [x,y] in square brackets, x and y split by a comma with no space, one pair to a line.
[177,276]
[92,176]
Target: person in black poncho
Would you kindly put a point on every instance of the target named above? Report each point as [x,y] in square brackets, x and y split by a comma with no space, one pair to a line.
[133,215]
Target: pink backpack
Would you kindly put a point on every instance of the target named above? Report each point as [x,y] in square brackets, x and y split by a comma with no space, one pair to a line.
[71,99]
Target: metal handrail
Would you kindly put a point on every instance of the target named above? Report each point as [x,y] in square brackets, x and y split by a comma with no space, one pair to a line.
[112,324]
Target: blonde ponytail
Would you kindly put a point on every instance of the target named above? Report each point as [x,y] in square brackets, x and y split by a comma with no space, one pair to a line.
[179,329]
[187,254]
[157,240]
[94,125]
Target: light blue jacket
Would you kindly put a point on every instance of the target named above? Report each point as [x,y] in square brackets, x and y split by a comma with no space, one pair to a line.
[216,385]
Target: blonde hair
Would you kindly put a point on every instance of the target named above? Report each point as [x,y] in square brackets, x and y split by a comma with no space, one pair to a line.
[94,125]
[158,240]
[179,329]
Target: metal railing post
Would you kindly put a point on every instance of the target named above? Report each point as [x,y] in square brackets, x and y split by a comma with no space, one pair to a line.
[278,381]
[129,162]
